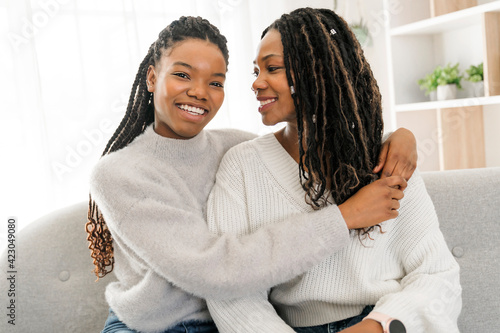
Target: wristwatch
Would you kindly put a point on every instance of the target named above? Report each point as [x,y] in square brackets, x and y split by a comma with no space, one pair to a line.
[389,325]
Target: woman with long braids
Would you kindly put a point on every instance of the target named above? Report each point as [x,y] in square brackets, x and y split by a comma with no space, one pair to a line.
[311,74]
[149,192]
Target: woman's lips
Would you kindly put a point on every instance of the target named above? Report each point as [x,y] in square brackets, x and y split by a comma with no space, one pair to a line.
[266,102]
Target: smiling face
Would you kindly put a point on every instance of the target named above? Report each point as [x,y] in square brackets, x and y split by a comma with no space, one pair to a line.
[271,85]
[188,87]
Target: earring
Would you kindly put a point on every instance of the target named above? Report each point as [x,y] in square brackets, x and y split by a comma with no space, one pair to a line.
[292,89]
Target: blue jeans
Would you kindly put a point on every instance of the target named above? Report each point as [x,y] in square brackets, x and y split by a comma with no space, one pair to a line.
[336,326]
[114,325]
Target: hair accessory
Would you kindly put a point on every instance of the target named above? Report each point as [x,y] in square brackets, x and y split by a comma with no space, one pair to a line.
[333,32]
[314,119]
[292,89]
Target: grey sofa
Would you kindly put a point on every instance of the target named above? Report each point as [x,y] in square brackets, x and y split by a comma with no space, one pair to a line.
[56,290]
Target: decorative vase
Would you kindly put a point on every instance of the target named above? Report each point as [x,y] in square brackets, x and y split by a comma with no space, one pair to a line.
[446,92]
[478,89]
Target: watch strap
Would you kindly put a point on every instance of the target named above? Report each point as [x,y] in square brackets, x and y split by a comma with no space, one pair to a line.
[381,318]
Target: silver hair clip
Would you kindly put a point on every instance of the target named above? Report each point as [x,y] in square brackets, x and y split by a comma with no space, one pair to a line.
[292,90]
[333,32]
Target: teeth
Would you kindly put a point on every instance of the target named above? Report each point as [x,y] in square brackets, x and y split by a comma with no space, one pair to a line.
[267,101]
[192,109]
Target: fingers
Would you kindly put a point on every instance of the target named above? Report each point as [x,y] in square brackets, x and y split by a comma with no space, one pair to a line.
[381,158]
[404,168]
[399,155]
[396,182]
[389,168]
[409,167]
[393,212]
[397,194]
[395,204]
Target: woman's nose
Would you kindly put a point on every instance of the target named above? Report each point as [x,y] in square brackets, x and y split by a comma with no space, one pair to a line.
[259,84]
[198,92]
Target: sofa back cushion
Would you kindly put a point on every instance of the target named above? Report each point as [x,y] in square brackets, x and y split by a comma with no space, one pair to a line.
[468,206]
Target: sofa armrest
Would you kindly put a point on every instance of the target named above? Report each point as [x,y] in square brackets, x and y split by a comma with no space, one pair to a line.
[55,288]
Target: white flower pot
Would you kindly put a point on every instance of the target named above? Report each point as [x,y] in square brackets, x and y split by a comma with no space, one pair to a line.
[446,92]
[478,89]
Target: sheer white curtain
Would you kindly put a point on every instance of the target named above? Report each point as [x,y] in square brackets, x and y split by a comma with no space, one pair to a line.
[67,67]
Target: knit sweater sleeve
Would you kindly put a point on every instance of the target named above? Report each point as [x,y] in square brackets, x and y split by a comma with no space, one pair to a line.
[228,213]
[159,229]
[252,314]
[430,296]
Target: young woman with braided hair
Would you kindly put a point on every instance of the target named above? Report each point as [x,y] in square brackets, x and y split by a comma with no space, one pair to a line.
[149,192]
[311,74]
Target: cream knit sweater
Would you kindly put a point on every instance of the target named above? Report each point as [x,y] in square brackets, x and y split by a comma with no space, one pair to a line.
[153,195]
[407,271]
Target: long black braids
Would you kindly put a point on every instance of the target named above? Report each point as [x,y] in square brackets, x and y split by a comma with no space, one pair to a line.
[337,101]
[138,116]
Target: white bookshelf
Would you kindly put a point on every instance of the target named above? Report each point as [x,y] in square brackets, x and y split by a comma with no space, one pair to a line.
[453,103]
[455,20]
[416,44]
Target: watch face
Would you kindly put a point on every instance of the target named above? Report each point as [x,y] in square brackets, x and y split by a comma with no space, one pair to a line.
[396,326]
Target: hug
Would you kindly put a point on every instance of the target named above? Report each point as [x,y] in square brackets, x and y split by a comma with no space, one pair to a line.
[322,226]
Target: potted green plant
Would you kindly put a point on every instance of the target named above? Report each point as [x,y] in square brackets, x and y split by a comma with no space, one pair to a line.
[362,32]
[475,76]
[449,81]
[429,83]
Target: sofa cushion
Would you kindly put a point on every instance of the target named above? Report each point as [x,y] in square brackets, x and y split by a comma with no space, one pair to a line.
[468,206]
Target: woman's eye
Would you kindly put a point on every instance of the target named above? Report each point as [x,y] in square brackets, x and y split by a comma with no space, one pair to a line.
[255,73]
[182,75]
[218,84]
[272,68]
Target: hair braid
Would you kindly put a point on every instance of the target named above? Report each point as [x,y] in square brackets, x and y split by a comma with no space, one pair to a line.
[337,102]
[138,116]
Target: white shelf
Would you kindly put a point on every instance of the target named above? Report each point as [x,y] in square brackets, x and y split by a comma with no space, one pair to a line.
[451,21]
[453,103]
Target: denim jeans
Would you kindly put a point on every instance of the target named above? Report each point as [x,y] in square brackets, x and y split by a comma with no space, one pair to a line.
[336,326]
[114,325]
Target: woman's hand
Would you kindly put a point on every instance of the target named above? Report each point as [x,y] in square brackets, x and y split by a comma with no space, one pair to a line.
[365,326]
[398,155]
[375,203]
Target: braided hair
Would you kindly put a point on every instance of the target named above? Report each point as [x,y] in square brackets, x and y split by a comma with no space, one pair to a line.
[138,116]
[337,103]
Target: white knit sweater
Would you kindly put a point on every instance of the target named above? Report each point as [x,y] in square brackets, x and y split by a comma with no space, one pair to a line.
[153,195]
[407,271]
